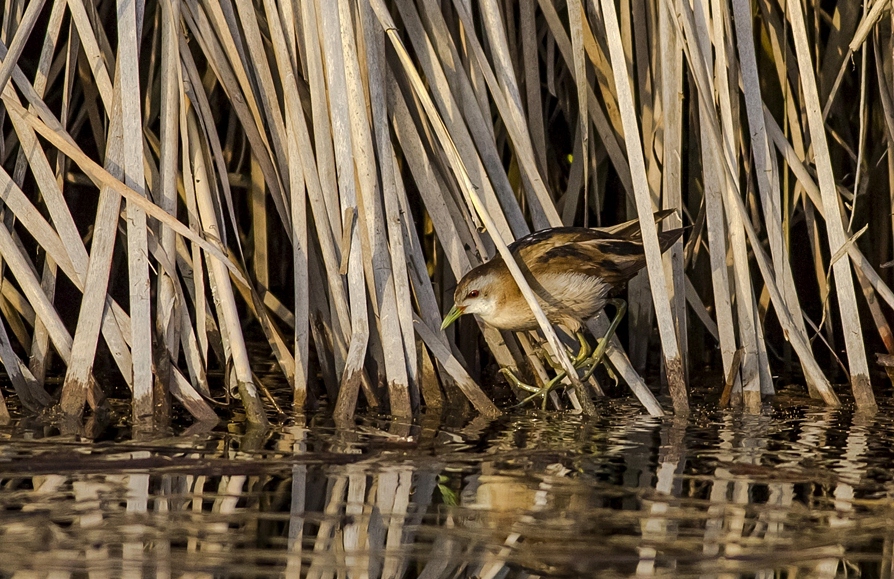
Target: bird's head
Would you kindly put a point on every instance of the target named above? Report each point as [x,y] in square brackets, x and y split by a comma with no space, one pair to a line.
[476,293]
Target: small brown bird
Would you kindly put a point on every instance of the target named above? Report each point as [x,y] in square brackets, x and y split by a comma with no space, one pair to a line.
[572,270]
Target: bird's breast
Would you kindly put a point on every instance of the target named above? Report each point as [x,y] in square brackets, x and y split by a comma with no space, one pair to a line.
[566,298]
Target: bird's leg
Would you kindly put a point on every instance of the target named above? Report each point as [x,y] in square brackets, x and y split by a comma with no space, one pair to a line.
[513,379]
[579,358]
[583,358]
[537,392]
[621,307]
[549,359]
[540,392]
[584,351]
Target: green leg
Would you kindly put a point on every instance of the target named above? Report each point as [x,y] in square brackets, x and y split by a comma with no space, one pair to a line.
[621,307]
[582,354]
[580,360]
[549,359]
[584,351]
[537,392]
[513,379]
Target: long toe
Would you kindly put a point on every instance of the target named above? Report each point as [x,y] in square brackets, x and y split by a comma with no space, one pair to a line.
[513,379]
[530,398]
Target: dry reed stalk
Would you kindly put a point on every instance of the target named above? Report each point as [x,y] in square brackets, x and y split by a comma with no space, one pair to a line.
[39,346]
[4,411]
[844,283]
[507,98]
[533,100]
[670,112]
[319,173]
[169,324]
[755,373]
[339,116]
[669,344]
[225,299]
[465,383]
[576,20]
[634,26]
[473,141]
[766,168]
[286,64]
[372,224]
[376,66]
[78,378]
[137,243]
[30,397]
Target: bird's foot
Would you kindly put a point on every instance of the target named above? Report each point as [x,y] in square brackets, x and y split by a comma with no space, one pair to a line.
[610,370]
[525,402]
[536,392]
[589,367]
[513,380]
[541,393]
[554,364]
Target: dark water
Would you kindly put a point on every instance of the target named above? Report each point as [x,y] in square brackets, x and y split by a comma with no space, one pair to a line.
[798,491]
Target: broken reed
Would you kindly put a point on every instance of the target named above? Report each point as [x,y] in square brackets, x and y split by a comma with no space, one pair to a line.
[294,171]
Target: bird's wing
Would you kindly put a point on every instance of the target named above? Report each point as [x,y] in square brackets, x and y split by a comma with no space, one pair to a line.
[584,251]
[540,241]
[613,260]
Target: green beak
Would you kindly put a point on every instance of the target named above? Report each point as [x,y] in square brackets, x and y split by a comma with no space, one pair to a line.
[451,316]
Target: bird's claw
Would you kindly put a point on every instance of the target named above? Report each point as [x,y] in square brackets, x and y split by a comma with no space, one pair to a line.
[533,397]
[536,392]
[513,379]
[611,372]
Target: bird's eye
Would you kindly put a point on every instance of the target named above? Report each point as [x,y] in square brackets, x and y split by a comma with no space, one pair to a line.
[472,294]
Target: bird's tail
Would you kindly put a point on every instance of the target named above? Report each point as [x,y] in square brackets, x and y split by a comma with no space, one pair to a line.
[670,237]
[631,230]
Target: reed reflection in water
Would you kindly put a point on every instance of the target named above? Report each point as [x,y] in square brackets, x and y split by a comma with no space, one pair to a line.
[790,493]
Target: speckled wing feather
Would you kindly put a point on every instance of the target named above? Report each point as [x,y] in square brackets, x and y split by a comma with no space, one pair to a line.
[586,251]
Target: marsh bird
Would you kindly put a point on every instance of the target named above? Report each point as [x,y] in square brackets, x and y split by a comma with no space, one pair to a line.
[574,271]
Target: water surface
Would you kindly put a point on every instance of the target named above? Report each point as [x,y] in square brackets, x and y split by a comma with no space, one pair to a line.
[797,491]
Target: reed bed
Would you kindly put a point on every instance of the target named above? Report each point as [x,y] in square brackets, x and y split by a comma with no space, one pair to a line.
[183,178]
